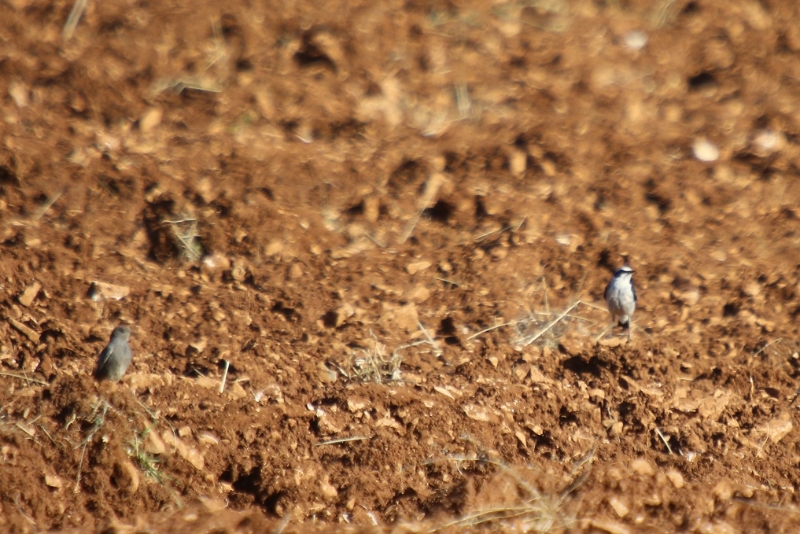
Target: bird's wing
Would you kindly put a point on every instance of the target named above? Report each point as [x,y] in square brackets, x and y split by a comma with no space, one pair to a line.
[633,289]
[608,288]
[104,356]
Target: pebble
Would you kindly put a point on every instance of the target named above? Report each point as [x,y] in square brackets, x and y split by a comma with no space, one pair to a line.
[635,40]
[704,150]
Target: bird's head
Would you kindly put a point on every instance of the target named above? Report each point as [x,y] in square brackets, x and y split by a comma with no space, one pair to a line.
[121,332]
[624,272]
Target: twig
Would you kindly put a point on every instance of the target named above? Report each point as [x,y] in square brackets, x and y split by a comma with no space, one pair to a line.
[446,281]
[342,440]
[14,375]
[224,376]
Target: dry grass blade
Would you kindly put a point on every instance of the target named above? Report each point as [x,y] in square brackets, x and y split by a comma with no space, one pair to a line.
[224,377]
[485,330]
[664,439]
[542,513]
[185,231]
[436,350]
[21,377]
[463,103]
[527,340]
[98,419]
[74,17]
[39,213]
[373,365]
[342,440]
[147,462]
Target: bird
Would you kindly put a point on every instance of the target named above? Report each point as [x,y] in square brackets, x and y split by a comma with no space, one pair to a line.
[116,357]
[620,296]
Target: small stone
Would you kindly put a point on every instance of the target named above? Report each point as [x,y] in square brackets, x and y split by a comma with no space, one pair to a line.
[208,438]
[53,481]
[418,294]
[635,40]
[642,467]
[752,288]
[26,297]
[328,490]
[723,491]
[611,527]
[597,394]
[100,291]
[126,477]
[295,271]
[676,478]
[21,327]
[518,162]
[653,500]
[238,272]
[521,371]
[704,150]
[153,444]
[620,508]
[274,248]
[20,93]
[190,454]
[356,404]
[477,413]
[417,266]
[150,119]
[199,345]
[403,317]
[765,142]
[371,209]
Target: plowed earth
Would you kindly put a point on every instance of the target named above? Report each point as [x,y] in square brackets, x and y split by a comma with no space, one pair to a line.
[385,228]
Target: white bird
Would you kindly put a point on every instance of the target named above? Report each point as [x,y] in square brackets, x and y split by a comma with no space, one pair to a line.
[621,298]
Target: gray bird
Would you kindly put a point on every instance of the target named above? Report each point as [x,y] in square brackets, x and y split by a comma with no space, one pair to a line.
[116,357]
[621,298]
